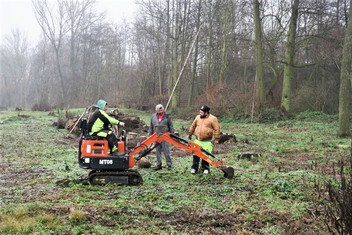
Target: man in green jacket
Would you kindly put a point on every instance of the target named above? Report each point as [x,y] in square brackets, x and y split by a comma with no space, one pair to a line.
[99,125]
[207,131]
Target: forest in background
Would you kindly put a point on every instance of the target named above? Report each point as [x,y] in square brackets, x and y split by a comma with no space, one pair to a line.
[243,52]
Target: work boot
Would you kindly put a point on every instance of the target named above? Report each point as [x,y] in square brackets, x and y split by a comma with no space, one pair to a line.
[157,168]
[115,153]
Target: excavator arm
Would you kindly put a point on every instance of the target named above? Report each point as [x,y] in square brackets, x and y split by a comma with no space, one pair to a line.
[154,140]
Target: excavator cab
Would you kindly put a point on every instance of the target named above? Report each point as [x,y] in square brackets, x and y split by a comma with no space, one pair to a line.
[93,147]
[106,168]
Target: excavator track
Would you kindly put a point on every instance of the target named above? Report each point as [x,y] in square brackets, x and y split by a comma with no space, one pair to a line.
[128,177]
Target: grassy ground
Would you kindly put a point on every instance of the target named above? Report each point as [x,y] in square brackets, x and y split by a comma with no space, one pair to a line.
[274,193]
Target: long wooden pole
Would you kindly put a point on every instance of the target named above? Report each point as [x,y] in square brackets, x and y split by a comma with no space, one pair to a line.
[75,124]
[183,67]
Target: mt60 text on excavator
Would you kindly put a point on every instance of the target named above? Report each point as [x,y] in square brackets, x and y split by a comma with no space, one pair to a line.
[117,169]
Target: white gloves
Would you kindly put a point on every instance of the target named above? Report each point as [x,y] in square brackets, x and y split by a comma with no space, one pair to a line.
[121,123]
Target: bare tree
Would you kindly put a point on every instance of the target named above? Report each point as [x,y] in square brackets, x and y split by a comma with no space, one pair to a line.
[53,22]
[177,26]
[289,58]
[14,69]
[274,28]
[259,84]
[209,55]
[195,59]
[41,76]
[227,20]
[77,12]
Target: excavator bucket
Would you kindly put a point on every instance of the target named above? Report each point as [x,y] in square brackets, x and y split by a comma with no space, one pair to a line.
[228,171]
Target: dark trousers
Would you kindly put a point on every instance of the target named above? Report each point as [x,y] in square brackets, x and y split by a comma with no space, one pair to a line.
[165,148]
[109,136]
[195,165]
[112,140]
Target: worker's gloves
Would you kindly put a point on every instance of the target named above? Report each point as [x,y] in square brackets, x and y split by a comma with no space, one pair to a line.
[216,141]
[121,123]
[190,136]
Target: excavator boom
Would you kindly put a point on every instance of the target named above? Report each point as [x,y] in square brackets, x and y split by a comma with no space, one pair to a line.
[151,142]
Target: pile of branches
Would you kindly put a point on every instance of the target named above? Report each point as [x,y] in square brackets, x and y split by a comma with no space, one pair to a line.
[72,123]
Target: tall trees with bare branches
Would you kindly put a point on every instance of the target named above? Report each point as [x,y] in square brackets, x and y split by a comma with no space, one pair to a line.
[195,56]
[76,13]
[14,72]
[53,23]
[82,57]
[84,46]
[178,28]
[226,28]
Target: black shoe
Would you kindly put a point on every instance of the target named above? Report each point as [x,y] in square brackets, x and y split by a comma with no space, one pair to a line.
[169,167]
[157,168]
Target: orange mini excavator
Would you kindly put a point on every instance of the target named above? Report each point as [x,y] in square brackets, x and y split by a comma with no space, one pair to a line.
[117,169]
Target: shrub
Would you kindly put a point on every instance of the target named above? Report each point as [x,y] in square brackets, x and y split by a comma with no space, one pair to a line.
[338,203]
[320,97]
[41,106]
[77,215]
[227,101]
[269,115]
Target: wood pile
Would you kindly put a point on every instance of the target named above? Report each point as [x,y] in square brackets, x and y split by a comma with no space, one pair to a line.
[132,123]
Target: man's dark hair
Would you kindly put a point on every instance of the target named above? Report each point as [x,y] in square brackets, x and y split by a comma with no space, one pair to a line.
[205,109]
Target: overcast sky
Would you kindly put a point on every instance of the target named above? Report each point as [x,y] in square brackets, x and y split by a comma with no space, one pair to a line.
[19,14]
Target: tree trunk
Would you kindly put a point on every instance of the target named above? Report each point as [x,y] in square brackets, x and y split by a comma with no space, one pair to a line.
[54,28]
[62,85]
[159,63]
[176,38]
[195,60]
[289,59]
[259,84]
[210,46]
[226,26]
[167,58]
[345,82]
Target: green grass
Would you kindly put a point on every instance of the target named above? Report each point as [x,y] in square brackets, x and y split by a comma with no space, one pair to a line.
[275,194]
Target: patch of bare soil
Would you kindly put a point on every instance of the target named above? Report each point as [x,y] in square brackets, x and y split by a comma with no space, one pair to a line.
[20,183]
[194,222]
[22,176]
[295,160]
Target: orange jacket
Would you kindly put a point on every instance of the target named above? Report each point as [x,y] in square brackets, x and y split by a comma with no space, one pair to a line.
[205,128]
